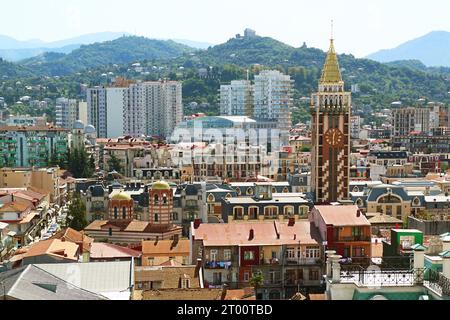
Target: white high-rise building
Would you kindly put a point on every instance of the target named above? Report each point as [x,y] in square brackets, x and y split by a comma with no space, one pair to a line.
[145,108]
[66,112]
[273,98]
[96,101]
[236,99]
[116,102]
[82,113]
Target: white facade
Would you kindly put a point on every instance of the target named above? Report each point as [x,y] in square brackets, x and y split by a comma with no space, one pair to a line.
[145,108]
[96,101]
[273,98]
[116,100]
[236,99]
[83,111]
[66,112]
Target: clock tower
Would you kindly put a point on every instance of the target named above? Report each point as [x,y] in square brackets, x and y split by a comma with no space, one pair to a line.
[330,111]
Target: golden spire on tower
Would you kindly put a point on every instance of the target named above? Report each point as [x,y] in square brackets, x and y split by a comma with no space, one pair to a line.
[331,72]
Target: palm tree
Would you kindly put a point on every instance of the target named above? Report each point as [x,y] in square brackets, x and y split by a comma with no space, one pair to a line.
[257,281]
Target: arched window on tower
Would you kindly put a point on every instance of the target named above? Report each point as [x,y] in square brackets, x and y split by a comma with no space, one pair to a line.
[165,199]
[156,217]
[156,199]
[124,213]
[116,213]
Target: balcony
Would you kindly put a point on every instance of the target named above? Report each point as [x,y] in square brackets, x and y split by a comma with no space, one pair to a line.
[354,239]
[218,265]
[303,261]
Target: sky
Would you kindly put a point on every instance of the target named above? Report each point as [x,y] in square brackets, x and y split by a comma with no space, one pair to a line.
[361,27]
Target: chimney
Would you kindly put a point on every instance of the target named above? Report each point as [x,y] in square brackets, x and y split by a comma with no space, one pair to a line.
[156,240]
[198,266]
[291,222]
[295,237]
[358,213]
[251,235]
[197,223]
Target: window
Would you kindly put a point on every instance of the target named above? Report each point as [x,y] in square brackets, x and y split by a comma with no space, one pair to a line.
[156,217]
[359,252]
[124,213]
[249,255]
[356,231]
[175,216]
[289,211]
[165,199]
[116,213]
[151,261]
[246,277]
[227,254]
[213,254]
[313,275]
[253,213]
[290,253]
[249,191]
[304,210]
[286,190]
[110,232]
[312,252]
[238,212]
[270,212]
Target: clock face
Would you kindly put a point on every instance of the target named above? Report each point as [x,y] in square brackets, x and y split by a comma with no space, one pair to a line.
[334,137]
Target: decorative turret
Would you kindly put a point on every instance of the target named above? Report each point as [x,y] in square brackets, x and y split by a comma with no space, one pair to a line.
[121,207]
[160,203]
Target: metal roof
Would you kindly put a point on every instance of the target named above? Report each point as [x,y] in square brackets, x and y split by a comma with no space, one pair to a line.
[98,277]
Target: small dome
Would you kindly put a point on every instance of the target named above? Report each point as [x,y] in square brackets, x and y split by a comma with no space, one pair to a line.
[121,196]
[89,129]
[78,125]
[161,185]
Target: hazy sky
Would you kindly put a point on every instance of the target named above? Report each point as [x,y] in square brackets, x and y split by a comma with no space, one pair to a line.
[361,26]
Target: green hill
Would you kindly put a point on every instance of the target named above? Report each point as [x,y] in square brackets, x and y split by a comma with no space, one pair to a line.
[120,51]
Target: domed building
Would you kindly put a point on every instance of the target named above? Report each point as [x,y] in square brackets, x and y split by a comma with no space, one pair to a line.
[160,203]
[121,207]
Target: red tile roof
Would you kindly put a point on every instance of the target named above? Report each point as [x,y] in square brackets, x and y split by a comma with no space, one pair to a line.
[112,251]
[264,233]
[342,216]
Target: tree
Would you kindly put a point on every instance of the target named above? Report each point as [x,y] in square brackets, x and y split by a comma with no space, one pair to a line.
[257,281]
[79,163]
[77,214]
[114,163]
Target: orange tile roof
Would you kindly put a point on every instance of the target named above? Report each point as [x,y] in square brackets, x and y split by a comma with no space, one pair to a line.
[241,294]
[342,216]
[165,247]
[15,206]
[55,247]
[76,237]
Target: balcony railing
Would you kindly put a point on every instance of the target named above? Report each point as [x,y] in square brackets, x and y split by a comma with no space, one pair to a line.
[218,265]
[353,239]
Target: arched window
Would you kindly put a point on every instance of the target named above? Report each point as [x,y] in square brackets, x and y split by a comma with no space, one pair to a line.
[286,190]
[238,213]
[211,198]
[289,211]
[165,199]
[110,232]
[249,191]
[253,213]
[238,191]
[271,212]
[228,196]
[156,217]
[156,199]
[116,213]
[124,213]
